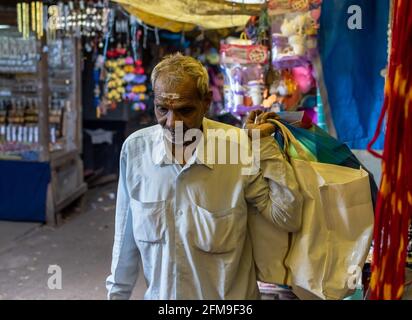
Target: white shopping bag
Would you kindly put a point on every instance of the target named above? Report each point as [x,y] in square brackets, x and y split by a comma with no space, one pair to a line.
[325,258]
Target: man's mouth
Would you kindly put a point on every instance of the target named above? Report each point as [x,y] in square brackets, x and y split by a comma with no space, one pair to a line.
[174,137]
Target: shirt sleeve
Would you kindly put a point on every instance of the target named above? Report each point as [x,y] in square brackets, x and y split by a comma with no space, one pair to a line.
[274,190]
[126,257]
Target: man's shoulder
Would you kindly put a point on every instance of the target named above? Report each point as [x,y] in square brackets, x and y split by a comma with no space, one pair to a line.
[145,133]
[142,137]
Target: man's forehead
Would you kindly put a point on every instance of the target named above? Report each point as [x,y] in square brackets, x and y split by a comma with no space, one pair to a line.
[166,102]
[168,95]
[175,89]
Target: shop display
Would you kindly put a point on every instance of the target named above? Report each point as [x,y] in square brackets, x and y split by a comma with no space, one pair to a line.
[20,90]
[294,39]
[71,18]
[119,79]
[273,65]
[288,84]
[125,79]
[19,104]
[30,17]
[18,55]
[244,68]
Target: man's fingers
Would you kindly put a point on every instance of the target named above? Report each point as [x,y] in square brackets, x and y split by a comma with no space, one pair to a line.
[264,116]
[273,115]
[251,118]
[254,117]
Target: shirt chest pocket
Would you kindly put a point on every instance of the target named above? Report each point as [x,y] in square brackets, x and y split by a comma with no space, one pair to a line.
[149,221]
[216,232]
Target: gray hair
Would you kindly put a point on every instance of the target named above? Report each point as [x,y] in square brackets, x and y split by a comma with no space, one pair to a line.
[177,66]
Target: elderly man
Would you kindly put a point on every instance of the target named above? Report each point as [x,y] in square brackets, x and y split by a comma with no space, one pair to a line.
[185,219]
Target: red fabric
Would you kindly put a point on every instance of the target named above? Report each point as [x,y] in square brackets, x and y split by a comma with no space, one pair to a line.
[394,206]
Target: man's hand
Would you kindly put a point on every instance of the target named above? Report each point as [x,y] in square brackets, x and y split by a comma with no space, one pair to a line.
[258,120]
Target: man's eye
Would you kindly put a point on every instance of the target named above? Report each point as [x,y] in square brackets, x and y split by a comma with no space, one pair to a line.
[161,109]
[186,110]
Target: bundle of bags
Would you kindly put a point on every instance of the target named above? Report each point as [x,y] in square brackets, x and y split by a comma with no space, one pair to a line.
[324,260]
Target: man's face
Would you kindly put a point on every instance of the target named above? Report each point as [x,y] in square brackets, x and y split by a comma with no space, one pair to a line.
[179,101]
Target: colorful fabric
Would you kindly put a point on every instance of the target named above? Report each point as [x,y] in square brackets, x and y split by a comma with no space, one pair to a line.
[394,207]
[352,63]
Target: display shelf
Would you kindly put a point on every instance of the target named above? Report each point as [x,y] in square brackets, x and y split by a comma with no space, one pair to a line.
[40,112]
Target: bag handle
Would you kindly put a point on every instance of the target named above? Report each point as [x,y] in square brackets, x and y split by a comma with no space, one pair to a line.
[290,139]
[243,36]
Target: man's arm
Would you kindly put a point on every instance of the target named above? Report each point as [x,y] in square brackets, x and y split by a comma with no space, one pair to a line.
[126,258]
[274,190]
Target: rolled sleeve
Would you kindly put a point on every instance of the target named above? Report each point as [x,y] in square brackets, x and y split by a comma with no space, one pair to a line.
[274,190]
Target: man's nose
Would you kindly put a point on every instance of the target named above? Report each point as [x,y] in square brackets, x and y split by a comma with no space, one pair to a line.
[171,120]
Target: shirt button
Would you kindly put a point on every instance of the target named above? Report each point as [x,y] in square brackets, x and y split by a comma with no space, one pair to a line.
[179,212]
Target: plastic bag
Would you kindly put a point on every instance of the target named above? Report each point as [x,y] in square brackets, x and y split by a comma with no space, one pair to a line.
[324,148]
[244,68]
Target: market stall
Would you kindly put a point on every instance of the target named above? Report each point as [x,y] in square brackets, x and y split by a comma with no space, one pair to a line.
[40,133]
[294,58]
[75,81]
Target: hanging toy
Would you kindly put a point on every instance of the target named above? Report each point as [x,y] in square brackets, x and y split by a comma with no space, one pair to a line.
[303,77]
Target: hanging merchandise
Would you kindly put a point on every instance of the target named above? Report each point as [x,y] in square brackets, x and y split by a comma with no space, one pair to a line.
[394,208]
[294,39]
[257,29]
[115,83]
[30,18]
[284,93]
[135,35]
[245,68]
[291,81]
[119,76]
[126,80]
[66,18]
[292,90]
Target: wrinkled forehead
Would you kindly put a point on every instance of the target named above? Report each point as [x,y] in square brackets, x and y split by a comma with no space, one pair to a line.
[175,90]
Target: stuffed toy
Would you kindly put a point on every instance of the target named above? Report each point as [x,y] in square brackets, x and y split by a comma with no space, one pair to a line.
[298,29]
[303,77]
[294,30]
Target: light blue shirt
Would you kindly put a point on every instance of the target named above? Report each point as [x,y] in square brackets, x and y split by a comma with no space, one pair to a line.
[188,226]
